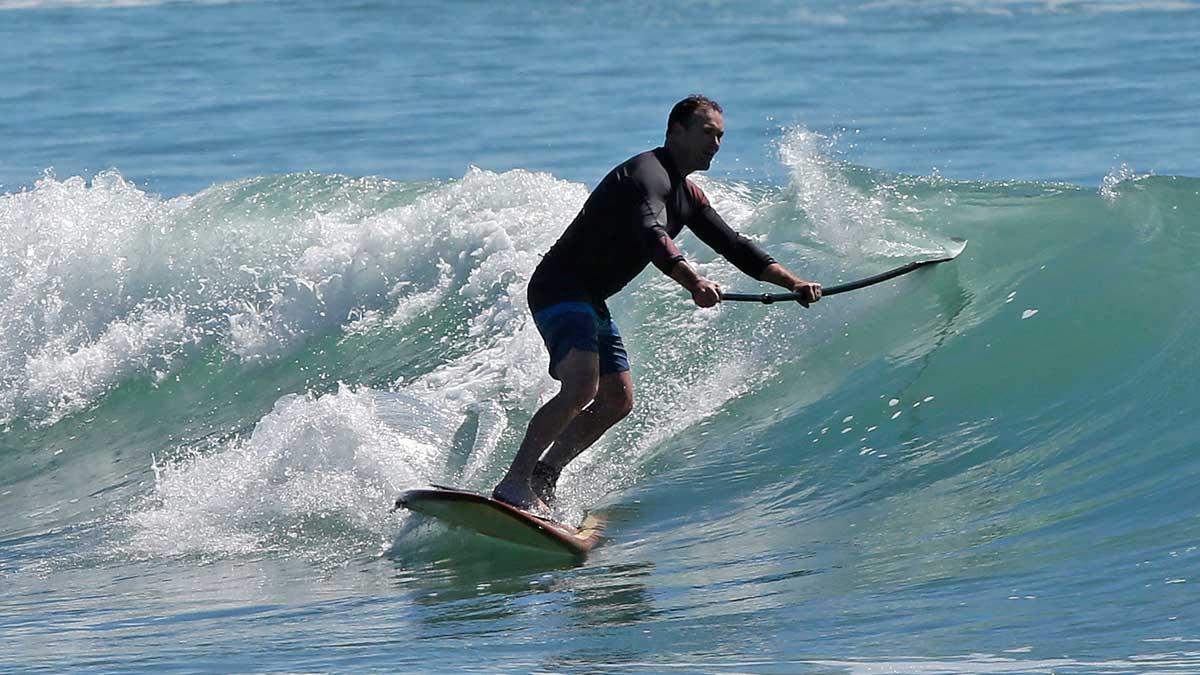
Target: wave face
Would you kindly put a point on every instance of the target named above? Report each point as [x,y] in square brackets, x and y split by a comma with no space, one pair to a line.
[966,455]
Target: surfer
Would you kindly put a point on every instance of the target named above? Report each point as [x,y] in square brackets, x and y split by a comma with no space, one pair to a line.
[629,221]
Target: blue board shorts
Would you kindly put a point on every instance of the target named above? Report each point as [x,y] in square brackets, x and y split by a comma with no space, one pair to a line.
[577,324]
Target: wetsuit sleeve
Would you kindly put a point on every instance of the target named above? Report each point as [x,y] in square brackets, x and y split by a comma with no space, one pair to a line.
[650,224]
[712,230]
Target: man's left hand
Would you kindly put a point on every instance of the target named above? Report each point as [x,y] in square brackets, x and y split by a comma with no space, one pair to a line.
[810,292]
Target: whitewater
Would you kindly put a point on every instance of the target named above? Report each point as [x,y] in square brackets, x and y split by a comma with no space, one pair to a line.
[219,366]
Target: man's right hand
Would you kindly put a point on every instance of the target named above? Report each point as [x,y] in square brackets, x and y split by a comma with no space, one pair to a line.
[706,293]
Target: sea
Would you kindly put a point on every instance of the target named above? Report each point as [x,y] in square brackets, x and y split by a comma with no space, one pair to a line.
[263,268]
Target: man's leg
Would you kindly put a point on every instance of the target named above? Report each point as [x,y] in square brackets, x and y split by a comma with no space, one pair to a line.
[579,372]
[614,400]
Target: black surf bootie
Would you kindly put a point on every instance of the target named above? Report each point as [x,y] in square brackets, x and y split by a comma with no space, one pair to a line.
[543,481]
[537,507]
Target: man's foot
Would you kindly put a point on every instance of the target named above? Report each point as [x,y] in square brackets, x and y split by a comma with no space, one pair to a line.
[520,495]
[543,481]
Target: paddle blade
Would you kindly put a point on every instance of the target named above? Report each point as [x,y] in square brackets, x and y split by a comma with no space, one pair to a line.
[956,247]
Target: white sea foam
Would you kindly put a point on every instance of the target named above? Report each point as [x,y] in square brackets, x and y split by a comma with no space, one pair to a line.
[1111,185]
[78,314]
[64,380]
[839,213]
[108,283]
[340,457]
[855,222]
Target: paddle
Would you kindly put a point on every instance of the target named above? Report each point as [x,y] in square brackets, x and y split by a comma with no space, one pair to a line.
[768,298]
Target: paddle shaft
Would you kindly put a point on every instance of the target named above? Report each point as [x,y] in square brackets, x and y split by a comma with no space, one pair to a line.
[768,298]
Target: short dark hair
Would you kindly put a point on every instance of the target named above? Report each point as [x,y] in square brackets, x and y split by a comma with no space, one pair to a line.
[683,111]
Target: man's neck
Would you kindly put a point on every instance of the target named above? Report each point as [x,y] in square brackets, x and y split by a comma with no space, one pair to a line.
[675,161]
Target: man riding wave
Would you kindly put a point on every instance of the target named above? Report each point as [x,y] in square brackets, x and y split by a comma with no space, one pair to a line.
[629,221]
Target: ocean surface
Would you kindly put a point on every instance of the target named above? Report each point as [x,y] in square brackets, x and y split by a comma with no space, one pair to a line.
[262,267]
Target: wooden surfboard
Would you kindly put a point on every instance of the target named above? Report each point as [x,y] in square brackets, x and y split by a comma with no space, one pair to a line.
[496,519]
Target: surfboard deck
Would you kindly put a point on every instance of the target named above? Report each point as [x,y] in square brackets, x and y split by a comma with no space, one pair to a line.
[496,519]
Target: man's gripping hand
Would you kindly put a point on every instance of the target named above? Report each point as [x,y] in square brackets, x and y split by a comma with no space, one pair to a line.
[810,291]
[706,293]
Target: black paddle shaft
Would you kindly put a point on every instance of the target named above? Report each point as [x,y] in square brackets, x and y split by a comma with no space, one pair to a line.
[768,298]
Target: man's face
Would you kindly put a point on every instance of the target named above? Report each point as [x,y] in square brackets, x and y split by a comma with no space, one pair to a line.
[700,141]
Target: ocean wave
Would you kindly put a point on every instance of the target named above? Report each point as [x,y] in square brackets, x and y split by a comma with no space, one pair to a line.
[922,394]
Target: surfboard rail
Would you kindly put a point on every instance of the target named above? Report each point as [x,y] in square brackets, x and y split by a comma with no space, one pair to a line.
[498,520]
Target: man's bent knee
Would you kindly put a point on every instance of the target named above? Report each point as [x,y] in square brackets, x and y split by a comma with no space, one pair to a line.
[625,407]
[615,397]
[579,373]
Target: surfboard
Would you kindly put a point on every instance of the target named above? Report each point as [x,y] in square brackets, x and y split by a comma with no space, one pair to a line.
[498,520]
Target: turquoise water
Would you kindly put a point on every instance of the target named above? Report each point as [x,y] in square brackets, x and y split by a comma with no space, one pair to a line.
[264,268]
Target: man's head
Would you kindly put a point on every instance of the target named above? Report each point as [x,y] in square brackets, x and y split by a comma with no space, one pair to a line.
[694,130]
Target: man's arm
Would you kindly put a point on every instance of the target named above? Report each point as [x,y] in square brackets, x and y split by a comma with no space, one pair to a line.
[777,274]
[645,193]
[745,254]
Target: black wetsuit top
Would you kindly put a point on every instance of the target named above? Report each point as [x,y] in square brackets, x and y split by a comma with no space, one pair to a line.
[627,222]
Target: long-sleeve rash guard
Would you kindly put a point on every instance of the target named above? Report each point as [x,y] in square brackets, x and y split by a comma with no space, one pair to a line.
[629,221]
